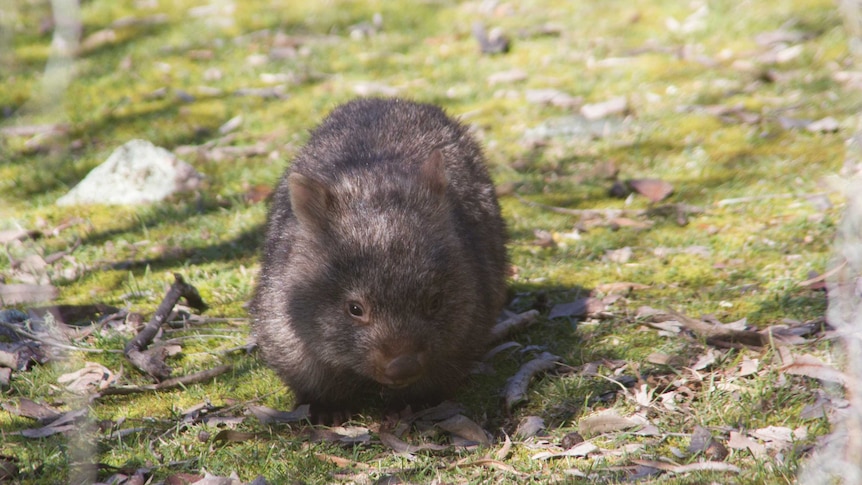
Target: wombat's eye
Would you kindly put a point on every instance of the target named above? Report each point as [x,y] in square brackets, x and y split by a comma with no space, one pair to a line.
[357,311]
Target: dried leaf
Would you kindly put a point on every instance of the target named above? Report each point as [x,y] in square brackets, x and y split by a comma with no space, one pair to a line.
[400,446]
[529,426]
[232,436]
[16,294]
[620,287]
[31,409]
[810,366]
[513,324]
[516,386]
[341,462]
[748,366]
[739,441]
[825,125]
[579,450]
[717,466]
[64,423]
[607,421]
[614,106]
[466,428]
[91,377]
[267,415]
[578,308]
[705,360]
[621,256]
[653,189]
[503,452]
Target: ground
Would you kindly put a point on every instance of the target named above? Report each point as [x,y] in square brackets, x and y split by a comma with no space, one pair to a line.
[742,108]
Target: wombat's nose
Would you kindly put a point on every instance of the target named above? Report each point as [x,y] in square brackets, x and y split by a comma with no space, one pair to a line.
[403,370]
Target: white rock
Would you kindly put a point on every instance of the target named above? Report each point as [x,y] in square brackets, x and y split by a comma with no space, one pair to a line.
[136,173]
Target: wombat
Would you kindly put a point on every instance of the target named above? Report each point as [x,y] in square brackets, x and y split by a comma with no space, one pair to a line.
[384,262]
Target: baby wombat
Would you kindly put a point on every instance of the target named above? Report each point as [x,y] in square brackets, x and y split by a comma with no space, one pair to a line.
[384,262]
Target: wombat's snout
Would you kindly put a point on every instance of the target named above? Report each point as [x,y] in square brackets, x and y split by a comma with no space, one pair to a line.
[401,370]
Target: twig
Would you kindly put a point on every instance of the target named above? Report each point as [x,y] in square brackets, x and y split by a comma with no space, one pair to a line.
[154,365]
[168,384]
[514,323]
[516,387]
[608,213]
[753,198]
[52,342]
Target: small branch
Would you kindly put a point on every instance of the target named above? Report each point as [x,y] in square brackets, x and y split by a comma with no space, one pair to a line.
[513,324]
[516,387]
[754,198]
[154,365]
[196,378]
[607,213]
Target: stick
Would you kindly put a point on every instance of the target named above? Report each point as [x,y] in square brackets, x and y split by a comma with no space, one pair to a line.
[175,382]
[753,198]
[154,365]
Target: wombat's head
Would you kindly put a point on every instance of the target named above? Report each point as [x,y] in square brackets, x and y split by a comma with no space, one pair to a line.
[383,285]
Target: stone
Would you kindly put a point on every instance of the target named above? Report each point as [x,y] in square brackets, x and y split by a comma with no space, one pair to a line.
[136,173]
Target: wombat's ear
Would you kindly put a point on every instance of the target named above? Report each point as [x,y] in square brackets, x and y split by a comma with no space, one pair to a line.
[309,199]
[433,173]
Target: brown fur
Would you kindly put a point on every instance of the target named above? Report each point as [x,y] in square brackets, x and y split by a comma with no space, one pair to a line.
[384,262]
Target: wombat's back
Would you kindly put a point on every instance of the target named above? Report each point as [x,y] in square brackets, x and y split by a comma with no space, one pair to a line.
[388,209]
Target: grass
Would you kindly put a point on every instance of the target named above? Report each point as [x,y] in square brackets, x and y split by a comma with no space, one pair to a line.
[758,251]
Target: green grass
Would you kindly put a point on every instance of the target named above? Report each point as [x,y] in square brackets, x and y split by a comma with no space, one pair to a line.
[426,51]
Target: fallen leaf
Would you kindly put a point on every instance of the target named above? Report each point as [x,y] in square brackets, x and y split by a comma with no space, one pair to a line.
[809,366]
[578,308]
[16,294]
[621,256]
[267,415]
[460,425]
[748,366]
[529,426]
[825,125]
[513,324]
[31,409]
[607,421]
[717,466]
[653,189]
[67,421]
[507,77]
[232,436]
[579,450]
[702,441]
[739,441]
[603,109]
[516,387]
[621,287]
[400,446]
[91,377]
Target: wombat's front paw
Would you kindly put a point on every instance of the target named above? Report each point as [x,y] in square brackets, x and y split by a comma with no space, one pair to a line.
[328,414]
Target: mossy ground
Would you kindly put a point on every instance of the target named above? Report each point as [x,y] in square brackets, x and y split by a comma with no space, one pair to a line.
[758,251]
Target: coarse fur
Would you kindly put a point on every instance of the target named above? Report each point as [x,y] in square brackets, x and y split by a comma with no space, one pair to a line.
[384,263]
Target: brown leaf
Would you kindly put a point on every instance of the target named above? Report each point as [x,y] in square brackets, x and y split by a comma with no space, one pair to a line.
[653,189]
[516,387]
[89,378]
[579,450]
[810,366]
[232,436]
[692,467]
[400,446]
[267,415]
[183,479]
[621,287]
[739,441]
[64,423]
[16,294]
[578,308]
[614,106]
[466,428]
[607,421]
[31,409]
